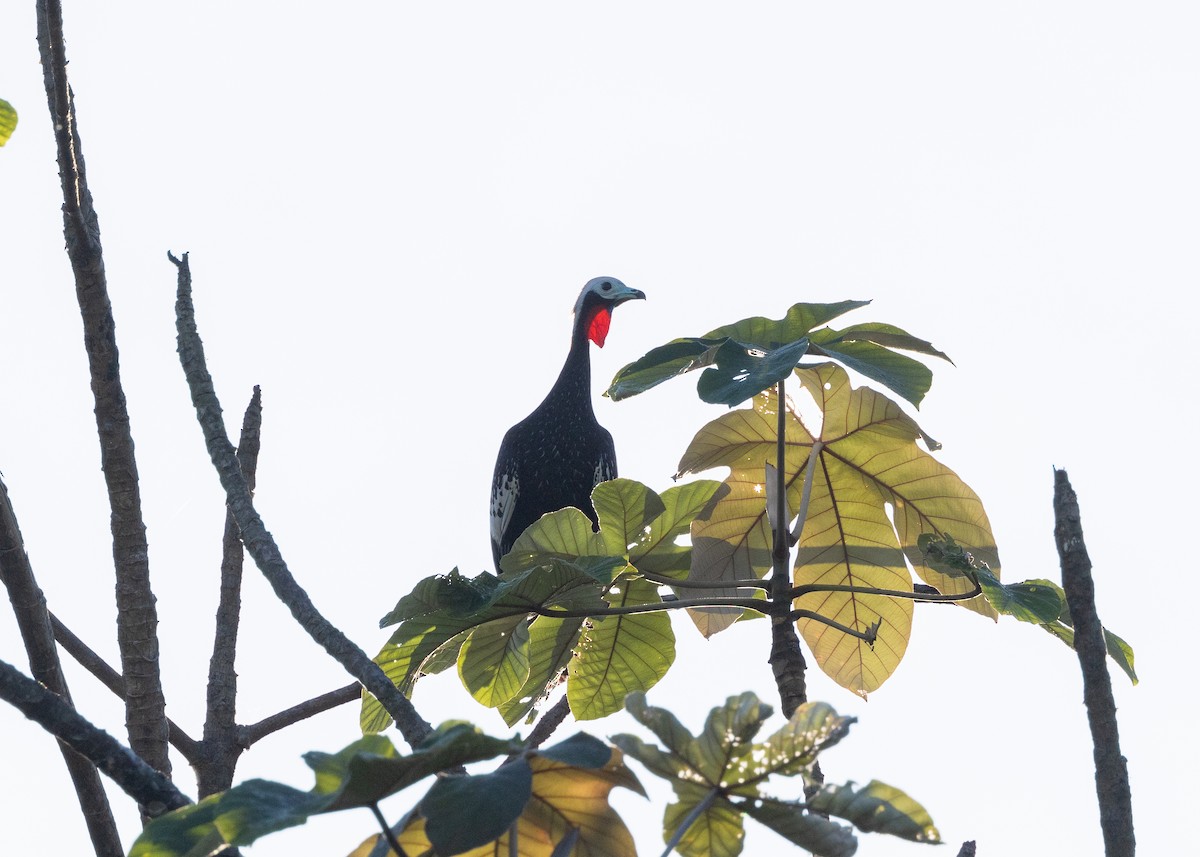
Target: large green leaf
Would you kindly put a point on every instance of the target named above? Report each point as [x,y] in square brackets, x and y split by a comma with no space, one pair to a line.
[874,492]
[493,664]
[796,824]
[462,813]
[740,372]
[759,334]
[567,799]
[657,551]
[8,121]
[742,359]
[877,808]
[716,832]
[510,660]
[551,646]
[625,509]
[617,655]
[724,755]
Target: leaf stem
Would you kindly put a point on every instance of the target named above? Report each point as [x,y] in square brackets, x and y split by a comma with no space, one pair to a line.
[666,580]
[867,636]
[798,591]
[806,493]
[388,836]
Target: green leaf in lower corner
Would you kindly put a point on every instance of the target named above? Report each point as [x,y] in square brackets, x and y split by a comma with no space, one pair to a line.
[8,121]
[877,808]
[359,775]
[236,817]
[462,813]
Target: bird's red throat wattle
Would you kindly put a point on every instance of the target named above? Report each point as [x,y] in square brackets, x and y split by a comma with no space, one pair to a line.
[597,328]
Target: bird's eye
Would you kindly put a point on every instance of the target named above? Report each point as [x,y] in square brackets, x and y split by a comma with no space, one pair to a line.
[607,286]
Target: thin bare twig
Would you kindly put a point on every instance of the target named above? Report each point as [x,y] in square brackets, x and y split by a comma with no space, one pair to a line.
[187,746]
[258,540]
[137,618]
[1112,774]
[248,735]
[33,621]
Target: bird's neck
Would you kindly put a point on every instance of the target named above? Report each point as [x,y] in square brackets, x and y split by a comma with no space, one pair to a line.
[573,389]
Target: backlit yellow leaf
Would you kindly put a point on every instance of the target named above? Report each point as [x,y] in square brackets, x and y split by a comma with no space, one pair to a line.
[874,491]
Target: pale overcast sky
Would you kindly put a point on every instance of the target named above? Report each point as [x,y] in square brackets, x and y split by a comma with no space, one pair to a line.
[390,210]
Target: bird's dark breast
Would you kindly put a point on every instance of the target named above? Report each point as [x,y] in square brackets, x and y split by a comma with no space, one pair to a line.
[548,461]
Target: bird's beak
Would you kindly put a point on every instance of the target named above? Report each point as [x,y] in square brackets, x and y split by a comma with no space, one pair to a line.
[627,294]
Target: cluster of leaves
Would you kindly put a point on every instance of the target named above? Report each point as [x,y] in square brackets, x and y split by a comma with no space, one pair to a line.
[556,800]
[862,482]
[514,637]
[585,606]
[549,795]
[718,777]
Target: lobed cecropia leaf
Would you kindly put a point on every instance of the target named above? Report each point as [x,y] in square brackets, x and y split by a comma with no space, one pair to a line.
[874,491]
[743,359]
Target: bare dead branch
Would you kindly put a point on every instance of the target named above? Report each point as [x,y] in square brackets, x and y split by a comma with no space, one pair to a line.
[33,621]
[550,720]
[187,746]
[137,618]
[152,790]
[258,540]
[1112,775]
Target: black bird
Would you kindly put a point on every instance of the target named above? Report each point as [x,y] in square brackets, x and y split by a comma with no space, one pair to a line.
[555,456]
